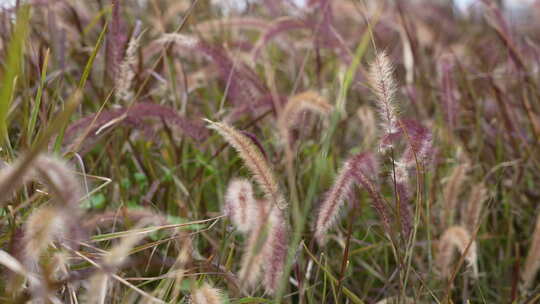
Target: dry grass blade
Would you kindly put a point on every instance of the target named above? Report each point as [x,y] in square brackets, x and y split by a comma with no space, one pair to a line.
[115,276]
[254,160]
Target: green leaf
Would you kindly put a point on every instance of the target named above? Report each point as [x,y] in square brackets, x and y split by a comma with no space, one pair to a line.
[96,201]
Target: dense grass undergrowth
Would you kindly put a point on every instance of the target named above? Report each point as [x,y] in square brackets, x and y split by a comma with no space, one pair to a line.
[348,151]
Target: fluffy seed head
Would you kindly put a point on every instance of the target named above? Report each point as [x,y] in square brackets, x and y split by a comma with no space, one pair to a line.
[125,76]
[206,294]
[367,124]
[240,204]
[471,212]
[60,179]
[266,249]
[334,198]
[360,169]
[383,86]
[53,172]
[42,227]
[252,259]
[307,101]
[275,251]
[180,39]
[456,237]
[254,160]
[451,193]
[52,222]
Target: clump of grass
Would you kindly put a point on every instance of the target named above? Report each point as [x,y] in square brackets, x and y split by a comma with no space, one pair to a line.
[129,207]
[56,222]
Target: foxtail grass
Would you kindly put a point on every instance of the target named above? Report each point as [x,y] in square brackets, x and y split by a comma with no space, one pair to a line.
[206,294]
[254,161]
[456,237]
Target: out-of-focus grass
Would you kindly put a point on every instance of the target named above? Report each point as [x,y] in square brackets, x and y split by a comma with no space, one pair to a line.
[473,85]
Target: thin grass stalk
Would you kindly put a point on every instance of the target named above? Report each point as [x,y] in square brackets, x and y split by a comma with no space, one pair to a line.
[37,101]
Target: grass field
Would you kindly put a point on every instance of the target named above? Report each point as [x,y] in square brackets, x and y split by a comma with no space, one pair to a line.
[348,151]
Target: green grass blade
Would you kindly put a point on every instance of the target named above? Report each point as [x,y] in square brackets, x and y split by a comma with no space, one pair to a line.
[82,82]
[37,102]
[12,68]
